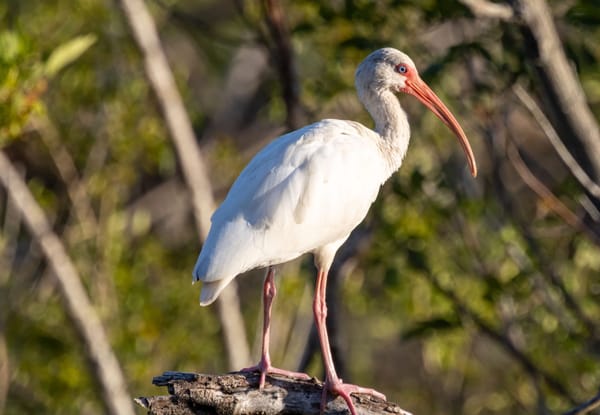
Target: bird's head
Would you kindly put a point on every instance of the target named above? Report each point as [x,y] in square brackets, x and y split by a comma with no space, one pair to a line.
[385,69]
[389,69]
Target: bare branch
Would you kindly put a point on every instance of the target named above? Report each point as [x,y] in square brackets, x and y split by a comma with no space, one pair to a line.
[238,393]
[192,164]
[551,201]
[82,206]
[78,305]
[488,10]
[580,174]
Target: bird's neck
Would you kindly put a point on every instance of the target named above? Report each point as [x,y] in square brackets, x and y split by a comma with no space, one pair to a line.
[391,124]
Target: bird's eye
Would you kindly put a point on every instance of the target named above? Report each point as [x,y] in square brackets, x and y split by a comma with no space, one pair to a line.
[402,68]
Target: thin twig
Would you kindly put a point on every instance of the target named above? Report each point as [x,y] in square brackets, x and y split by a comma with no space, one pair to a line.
[80,201]
[585,407]
[78,305]
[551,201]
[546,126]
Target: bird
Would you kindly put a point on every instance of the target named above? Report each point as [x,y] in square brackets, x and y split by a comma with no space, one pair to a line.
[306,191]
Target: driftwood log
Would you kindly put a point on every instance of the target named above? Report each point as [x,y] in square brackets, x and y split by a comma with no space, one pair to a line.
[237,393]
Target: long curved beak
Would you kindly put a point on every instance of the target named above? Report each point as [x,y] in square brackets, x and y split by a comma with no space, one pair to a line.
[417,87]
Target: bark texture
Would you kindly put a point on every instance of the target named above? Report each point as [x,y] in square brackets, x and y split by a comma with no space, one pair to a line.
[237,393]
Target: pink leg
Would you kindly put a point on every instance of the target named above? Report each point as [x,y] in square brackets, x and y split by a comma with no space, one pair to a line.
[332,382]
[264,366]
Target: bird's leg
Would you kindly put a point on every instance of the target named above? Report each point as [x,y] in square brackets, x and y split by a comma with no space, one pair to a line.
[264,366]
[332,382]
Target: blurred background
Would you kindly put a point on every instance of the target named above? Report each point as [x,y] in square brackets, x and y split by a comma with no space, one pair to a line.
[455,296]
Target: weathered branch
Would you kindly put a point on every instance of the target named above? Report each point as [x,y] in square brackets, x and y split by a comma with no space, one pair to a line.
[192,163]
[78,305]
[237,393]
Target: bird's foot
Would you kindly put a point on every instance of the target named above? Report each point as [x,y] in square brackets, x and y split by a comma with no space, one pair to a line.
[265,369]
[344,390]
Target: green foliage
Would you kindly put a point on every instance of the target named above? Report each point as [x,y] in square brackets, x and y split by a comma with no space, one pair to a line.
[21,84]
[67,53]
[24,77]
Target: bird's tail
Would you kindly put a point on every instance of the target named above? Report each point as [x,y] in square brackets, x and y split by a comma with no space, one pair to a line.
[211,290]
[212,282]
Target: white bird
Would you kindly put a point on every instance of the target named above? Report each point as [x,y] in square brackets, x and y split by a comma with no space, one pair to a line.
[308,189]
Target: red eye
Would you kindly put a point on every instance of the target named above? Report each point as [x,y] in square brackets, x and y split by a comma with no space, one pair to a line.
[402,68]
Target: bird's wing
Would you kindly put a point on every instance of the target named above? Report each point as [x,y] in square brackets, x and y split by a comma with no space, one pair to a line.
[305,189]
[299,174]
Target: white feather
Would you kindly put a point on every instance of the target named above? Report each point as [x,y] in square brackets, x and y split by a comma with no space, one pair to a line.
[305,190]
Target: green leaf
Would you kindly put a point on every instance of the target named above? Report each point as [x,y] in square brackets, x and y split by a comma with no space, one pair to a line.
[68,52]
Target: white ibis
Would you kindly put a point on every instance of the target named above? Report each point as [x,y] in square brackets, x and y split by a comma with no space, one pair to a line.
[308,189]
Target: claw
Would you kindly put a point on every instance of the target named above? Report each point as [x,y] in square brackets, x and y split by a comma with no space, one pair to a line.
[344,390]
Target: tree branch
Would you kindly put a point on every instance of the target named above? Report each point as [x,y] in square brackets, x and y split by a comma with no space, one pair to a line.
[192,164]
[582,177]
[283,55]
[65,165]
[550,200]
[561,86]
[78,305]
[488,10]
[237,393]
[585,407]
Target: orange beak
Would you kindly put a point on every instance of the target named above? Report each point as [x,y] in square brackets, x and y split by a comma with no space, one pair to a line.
[417,87]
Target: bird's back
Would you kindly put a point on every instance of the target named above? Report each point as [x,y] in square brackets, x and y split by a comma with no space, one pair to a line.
[306,189]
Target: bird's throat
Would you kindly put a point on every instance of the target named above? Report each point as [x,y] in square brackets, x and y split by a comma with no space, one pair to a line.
[391,124]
